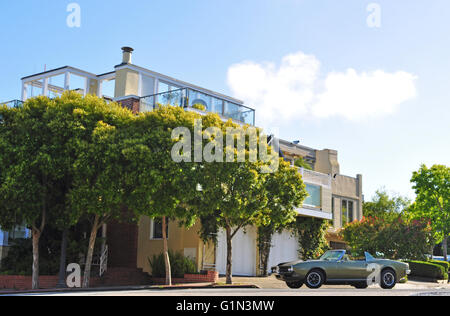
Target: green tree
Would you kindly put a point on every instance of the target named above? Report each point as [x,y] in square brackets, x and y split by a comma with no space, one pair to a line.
[432,187]
[400,238]
[385,206]
[285,192]
[36,156]
[237,192]
[105,154]
[311,234]
[167,188]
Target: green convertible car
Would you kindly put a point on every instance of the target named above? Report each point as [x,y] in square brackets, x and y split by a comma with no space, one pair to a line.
[337,267]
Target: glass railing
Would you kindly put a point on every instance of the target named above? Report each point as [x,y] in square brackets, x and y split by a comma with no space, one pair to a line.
[189,98]
[12,104]
[314,177]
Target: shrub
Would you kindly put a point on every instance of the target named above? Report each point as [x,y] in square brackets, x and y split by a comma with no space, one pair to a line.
[446,265]
[179,264]
[392,238]
[199,106]
[428,270]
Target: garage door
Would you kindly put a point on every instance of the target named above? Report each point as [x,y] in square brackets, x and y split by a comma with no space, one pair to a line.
[244,253]
[284,249]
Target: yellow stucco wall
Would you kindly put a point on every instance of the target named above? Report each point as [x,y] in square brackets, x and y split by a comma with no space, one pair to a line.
[179,239]
[93,86]
[127,83]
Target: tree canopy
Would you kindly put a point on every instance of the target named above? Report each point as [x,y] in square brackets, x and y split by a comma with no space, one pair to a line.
[432,187]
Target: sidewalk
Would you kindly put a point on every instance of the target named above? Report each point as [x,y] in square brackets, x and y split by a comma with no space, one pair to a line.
[135,288]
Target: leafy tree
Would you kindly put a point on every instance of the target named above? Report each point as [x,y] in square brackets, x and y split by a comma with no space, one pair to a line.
[311,234]
[384,206]
[103,169]
[285,192]
[166,188]
[36,156]
[238,194]
[432,187]
[396,239]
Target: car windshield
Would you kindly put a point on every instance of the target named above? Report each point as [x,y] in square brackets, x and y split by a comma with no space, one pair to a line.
[333,255]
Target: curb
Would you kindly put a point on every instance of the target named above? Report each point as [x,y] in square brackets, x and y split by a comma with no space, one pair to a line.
[132,288]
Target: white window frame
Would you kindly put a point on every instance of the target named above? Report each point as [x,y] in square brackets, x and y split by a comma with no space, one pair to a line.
[321,192]
[347,208]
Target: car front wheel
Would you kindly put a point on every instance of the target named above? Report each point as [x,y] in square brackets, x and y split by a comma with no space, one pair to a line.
[315,279]
[388,279]
[294,285]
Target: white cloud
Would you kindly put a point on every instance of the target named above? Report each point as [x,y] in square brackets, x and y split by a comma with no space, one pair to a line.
[293,90]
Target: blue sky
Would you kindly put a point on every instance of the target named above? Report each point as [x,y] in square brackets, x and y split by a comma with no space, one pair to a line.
[201,41]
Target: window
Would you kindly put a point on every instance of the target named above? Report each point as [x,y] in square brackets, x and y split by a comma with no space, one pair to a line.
[148,86]
[156,229]
[3,242]
[163,87]
[8,237]
[347,212]
[314,198]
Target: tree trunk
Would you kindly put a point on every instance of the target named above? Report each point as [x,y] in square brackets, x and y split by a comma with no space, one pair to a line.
[444,247]
[166,252]
[36,234]
[90,254]
[229,256]
[62,260]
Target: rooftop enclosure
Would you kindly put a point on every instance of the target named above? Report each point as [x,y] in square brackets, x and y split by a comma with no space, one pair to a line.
[12,103]
[131,81]
[191,98]
[54,82]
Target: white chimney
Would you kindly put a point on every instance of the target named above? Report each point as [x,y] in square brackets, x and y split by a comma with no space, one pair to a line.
[127,52]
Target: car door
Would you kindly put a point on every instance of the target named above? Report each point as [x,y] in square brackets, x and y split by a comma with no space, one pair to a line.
[351,270]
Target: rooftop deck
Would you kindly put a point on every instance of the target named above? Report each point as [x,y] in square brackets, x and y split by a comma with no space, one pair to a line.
[188,98]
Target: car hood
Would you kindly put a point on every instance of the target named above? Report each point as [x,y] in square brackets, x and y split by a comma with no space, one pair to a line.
[292,263]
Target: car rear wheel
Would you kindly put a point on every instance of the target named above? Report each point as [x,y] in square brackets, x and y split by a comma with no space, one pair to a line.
[315,279]
[388,279]
[294,285]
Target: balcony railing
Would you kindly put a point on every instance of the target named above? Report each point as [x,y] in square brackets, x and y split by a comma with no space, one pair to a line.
[316,178]
[187,98]
[12,104]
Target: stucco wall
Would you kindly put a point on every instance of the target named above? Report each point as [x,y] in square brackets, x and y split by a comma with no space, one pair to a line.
[93,87]
[327,162]
[326,200]
[179,239]
[127,83]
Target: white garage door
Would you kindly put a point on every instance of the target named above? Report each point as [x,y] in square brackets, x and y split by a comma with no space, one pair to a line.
[284,249]
[244,253]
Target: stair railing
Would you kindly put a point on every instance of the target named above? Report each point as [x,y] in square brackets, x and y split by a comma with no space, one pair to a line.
[103,261]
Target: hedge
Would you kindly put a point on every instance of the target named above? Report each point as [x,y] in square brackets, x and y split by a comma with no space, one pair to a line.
[446,265]
[428,270]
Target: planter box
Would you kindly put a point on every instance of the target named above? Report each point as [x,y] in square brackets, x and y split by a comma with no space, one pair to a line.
[209,277]
[17,282]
